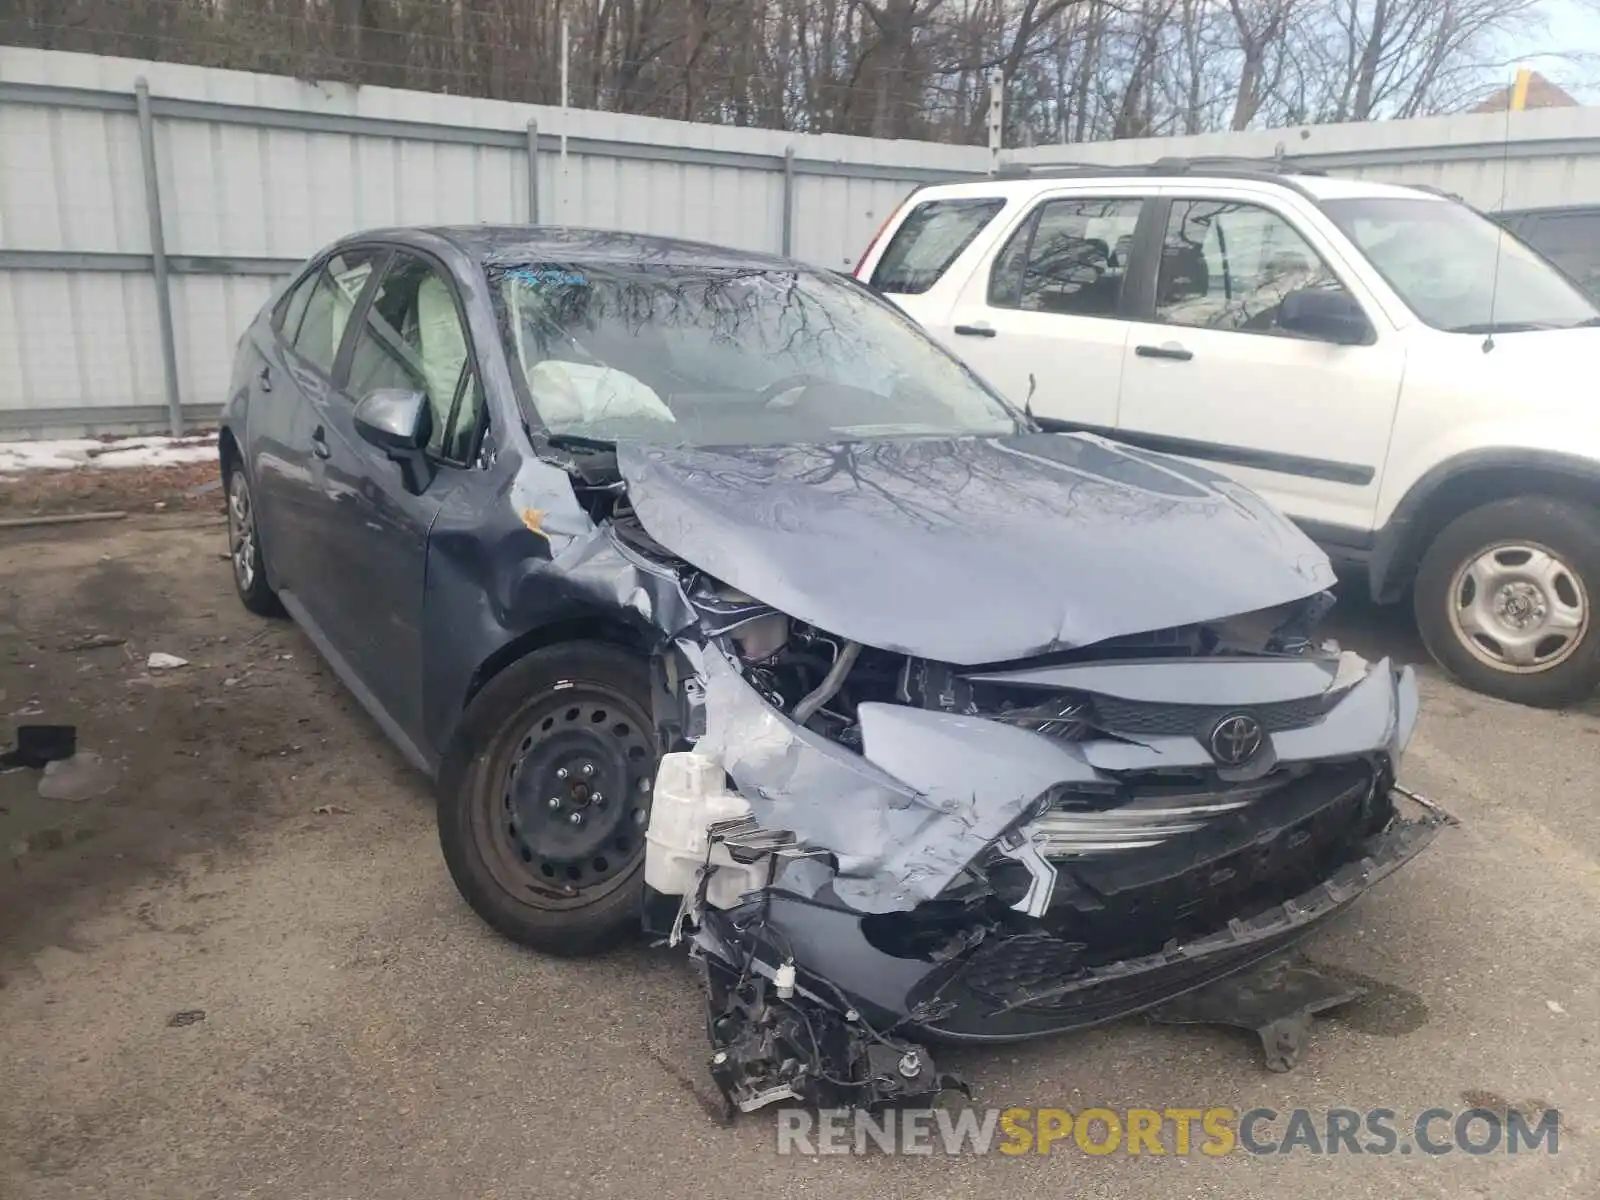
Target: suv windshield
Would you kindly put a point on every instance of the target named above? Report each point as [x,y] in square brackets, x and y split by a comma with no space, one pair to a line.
[1458,270]
[748,356]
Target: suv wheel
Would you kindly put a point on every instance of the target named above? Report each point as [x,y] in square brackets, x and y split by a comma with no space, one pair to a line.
[1505,599]
[544,803]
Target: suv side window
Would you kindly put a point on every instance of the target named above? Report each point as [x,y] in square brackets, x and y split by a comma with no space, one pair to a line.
[331,294]
[413,338]
[1228,265]
[1070,256]
[932,236]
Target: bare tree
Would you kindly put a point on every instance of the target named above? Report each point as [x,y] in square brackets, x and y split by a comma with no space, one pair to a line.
[1075,70]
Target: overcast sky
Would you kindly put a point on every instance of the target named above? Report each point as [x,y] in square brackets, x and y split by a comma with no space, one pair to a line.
[1571,28]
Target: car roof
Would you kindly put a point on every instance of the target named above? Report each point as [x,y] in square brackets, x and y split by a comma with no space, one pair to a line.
[554,243]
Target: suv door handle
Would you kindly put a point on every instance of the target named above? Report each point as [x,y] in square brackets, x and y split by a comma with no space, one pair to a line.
[265,376]
[319,442]
[976,330]
[1169,350]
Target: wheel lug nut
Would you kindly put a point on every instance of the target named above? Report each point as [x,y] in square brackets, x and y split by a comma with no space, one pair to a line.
[576,818]
[555,801]
[561,772]
[596,798]
[588,770]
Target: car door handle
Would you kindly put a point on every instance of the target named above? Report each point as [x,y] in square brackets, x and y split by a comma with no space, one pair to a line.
[976,330]
[265,375]
[319,442]
[1170,350]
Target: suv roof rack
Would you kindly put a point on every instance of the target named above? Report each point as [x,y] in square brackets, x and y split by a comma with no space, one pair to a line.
[1224,166]
[1433,190]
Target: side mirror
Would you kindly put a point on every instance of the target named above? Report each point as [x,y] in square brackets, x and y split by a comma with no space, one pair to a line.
[1327,314]
[396,421]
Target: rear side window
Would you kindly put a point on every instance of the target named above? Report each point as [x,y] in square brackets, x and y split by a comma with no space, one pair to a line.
[293,307]
[333,291]
[932,236]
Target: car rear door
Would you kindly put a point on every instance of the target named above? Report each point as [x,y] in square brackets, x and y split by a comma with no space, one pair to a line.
[411,334]
[1047,311]
[295,377]
[1210,375]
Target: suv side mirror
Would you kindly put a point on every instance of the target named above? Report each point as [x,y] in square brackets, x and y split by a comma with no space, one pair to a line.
[394,420]
[1327,314]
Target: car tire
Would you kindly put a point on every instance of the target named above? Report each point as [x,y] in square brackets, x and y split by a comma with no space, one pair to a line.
[244,547]
[545,796]
[1506,600]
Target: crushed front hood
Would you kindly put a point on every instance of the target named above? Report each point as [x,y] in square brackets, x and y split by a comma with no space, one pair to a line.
[973,550]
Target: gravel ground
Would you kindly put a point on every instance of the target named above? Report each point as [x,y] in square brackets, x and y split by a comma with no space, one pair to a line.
[265,859]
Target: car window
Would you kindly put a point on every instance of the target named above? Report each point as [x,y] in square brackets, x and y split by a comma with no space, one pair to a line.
[413,339]
[293,307]
[1570,240]
[1069,257]
[932,236]
[334,289]
[1227,265]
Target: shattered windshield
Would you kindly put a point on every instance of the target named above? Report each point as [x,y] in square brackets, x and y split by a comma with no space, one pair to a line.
[722,356]
[1458,270]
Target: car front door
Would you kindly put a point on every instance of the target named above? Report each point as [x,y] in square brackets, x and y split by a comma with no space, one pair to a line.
[410,335]
[1047,315]
[1212,373]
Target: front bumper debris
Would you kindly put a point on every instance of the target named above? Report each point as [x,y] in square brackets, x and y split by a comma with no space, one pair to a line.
[783,1026]
[1276,1000]
[961,879]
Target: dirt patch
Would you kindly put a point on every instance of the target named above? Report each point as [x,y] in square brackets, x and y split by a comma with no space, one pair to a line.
[185,487]
[201,753]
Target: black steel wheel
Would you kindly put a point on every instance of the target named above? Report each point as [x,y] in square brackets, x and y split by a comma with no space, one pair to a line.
[542,811]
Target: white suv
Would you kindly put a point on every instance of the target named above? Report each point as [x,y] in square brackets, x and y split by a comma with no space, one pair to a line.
[1407,381]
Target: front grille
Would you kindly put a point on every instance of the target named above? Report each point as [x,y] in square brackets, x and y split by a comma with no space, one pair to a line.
[1236,863]
[1136,717]
[1142,816]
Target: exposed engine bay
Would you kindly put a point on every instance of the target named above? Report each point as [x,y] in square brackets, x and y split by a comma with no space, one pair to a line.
[874,842]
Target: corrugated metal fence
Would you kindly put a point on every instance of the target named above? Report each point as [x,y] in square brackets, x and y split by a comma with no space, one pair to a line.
[141,228]
[1537,158]
[129,186]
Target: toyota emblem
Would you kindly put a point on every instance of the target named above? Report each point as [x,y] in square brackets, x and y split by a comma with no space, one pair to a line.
[1235,739]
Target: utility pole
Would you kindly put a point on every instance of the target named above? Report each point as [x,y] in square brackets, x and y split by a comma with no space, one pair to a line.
[566,119]
[997,119]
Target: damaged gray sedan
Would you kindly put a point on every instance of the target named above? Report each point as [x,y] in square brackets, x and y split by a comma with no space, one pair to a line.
[711,592]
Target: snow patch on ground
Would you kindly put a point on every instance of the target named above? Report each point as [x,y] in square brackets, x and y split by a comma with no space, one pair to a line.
[70,454]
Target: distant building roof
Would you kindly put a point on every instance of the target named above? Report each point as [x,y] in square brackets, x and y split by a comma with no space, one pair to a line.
[1541,94]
